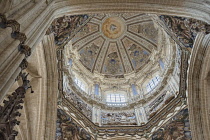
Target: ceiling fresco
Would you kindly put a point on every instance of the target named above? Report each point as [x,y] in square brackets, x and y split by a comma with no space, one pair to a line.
[116,44]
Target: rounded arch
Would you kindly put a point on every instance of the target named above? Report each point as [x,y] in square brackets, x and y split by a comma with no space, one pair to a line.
[198,88]
[184,8]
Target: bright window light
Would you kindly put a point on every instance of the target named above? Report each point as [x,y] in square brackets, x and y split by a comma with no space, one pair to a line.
[152,83]
[115,98]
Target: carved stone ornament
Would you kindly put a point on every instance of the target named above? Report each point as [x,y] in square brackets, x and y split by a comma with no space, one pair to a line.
[64,27]
[16,34]
[24,49]
[24,64]
[177,128]
[68,129]
[185,29]
[9,111]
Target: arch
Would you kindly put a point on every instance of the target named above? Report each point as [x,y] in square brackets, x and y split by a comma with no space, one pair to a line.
[185,8]
[198,88]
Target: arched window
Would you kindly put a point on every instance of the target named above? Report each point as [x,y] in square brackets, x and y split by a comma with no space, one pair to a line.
[70,62]
[97,89]
[115,98]
[152,83]
[134,89]
[161,64]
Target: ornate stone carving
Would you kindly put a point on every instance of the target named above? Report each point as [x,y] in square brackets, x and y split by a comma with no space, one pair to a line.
[185,29]
[64,27]
[9,111]
[159,103]
[24,64]
[67,129]
[24,49]
[16,34]
[120,118]
[178,128]
[80,104]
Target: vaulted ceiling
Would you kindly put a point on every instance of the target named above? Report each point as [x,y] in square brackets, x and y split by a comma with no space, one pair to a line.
[116,44]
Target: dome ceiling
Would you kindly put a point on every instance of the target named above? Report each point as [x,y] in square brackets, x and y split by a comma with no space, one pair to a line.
[116,44]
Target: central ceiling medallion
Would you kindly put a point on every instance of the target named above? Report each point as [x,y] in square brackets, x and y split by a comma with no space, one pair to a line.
[116,45]
[113,27]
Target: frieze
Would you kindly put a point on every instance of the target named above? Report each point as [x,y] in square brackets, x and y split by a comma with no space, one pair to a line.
[118,118]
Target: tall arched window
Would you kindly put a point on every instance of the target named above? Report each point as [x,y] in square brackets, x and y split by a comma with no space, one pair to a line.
[70,62]
[96,89]
[152,83]
[161,64]
[134,89]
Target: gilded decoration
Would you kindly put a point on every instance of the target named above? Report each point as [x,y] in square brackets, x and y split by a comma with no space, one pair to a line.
[115,44]
[113,27]
[177,128]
